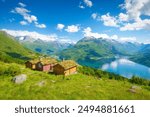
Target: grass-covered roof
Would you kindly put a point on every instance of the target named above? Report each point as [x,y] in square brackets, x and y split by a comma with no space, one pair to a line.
[49,60]
[44,61]
[68,64]
[34,61]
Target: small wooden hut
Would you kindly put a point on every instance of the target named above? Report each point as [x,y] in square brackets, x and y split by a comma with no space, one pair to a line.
[46,64]
[32,64]
[65,68]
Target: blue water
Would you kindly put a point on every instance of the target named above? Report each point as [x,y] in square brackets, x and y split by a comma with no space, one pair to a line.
[127,68]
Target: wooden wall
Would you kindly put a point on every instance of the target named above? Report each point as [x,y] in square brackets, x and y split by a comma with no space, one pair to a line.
[58,70]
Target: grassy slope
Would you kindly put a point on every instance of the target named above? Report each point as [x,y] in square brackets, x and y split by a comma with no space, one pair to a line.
[11,50]
[77,86]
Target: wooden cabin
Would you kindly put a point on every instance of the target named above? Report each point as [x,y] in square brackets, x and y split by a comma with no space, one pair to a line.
[46,64]
[65,68]
[31,64]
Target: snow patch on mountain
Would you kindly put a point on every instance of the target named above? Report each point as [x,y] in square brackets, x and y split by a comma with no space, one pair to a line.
[33,36]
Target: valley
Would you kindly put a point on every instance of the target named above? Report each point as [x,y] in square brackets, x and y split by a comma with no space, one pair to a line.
[88,83]
[89,51]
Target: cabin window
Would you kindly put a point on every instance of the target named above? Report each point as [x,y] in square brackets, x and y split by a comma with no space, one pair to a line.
[39,65]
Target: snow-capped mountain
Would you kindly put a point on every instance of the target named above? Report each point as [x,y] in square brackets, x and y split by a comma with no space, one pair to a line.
[45,44]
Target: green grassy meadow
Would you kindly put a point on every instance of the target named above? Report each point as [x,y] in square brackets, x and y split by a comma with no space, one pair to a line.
[73,87]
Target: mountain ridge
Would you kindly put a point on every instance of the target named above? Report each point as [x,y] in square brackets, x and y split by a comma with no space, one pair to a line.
[91,50]
[88,49]
[11,50]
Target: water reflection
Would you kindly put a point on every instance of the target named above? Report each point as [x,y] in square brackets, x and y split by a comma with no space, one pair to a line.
[127,68]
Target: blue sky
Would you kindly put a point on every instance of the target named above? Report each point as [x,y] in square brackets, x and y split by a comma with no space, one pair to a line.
[73,19]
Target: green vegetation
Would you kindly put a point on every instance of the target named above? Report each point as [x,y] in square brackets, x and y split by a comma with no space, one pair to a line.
[44,47]
[143,56]
[96,52]
[13,51]
[100,74]
[9,70]
[140,81]
[87,84]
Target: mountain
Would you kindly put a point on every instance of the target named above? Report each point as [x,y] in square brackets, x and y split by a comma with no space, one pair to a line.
[88,83]
[143,55]
[12,51]
[88,51]
[45,44]
[94,52]
[44,47]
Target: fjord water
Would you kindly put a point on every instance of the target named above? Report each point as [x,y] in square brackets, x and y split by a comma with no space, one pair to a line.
[127,68]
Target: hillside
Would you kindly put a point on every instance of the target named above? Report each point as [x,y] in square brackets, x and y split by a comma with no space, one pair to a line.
[88,83]
[44,47]
[94,52]
[143,56]
[40,43]
[12,51]
[41,86]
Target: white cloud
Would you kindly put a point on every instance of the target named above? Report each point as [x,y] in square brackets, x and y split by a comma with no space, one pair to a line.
[147,41]
[72,28]
[60,26]
[81,6]
[94,15]
[23,23]
[109,20]
[88,3]
[21,11]
[67,41]
[141,24]
[35,35]
[88,33]
[31,18]
[133,18]
[40,25]
[128,39]
[135,9]
[21,4]
[115,37]
[25,13]
[123,17]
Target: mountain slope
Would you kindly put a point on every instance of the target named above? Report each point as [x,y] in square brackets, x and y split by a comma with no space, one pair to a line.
[143,56]
[45,86]
[44,47]
[11,50]
[44,44]
[95,52]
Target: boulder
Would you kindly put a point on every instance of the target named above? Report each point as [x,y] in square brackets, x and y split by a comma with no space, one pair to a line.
[134,89]
[19,79]
[42,83]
